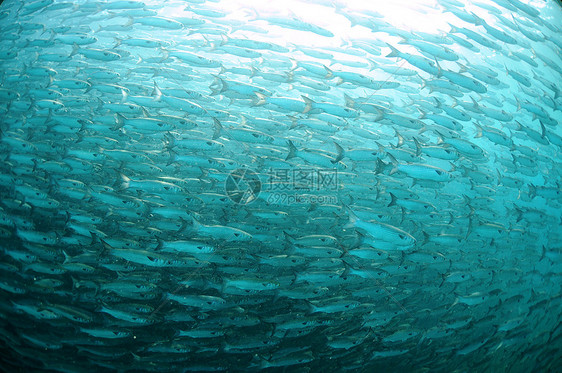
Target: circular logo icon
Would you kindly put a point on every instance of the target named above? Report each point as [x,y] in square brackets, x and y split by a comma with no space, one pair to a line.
[242,186]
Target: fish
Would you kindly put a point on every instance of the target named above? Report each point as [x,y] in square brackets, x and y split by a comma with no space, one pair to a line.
[311,186]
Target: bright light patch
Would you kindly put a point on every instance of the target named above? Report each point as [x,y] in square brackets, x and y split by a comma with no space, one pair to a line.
[345,19]
[406,14]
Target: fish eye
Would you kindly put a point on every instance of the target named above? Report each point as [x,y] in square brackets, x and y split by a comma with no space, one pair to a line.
[401,236]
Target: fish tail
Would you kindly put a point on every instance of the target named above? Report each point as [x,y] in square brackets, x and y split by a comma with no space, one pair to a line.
[532,191]
[479,130]
[393,51]
[219,129]
[124,96]
[311,308]
[349,102]
[196,226]
[183,225]
[308,103]
[352,217]
[260,100]
[425,238]
[172,157]
[392,200]
[394,164]
[156,92]
[341,153]
[439,70]
[418,147]
[75,49]
[329,73]
[292,150]
[123,183]
[380,166]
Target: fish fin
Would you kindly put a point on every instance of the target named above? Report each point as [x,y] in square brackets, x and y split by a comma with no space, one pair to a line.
[260,100]
[442,279]
[393,51]
[341,153]
[120,118]
[292,150]
[66,257]
[129,22]
[347,269]
[400,139]
[156,92]
[474,103]
[160,244]
[218,129]
[75,49]
[418,146]
[439,137]
[479,130]
[469,230]
[123,183]
[352,217]
[349,102]
[294,65]
[224,85]
[311,307]
[294,121]
[543,255]
[196,226]
[308,104]
[183,225]
[392,200]
[532,190]
[439,70]
[394,164]
[425,238]
[380,166]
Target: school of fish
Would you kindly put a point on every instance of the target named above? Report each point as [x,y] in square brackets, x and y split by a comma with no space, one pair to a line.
[187,187]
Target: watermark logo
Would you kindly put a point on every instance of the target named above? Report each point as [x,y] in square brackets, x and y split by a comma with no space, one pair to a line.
[243,186]
[295,186]
[301,180]
[285,186]
[280,198]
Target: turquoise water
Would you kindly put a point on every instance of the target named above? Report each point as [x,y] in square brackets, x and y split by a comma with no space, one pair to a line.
[297,186]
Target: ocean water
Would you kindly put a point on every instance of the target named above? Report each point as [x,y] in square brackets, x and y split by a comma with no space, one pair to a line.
[296,186]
